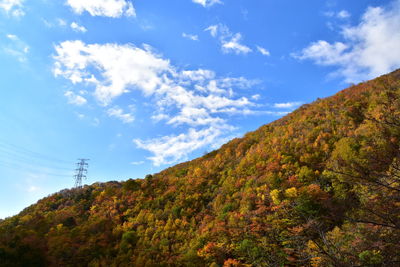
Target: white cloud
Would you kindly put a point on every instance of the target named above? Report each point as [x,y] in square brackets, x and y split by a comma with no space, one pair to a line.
[75,99]
[119,114]
[57,22]
[240,83]
[121,67]
[12,37]
[234,45]
[343,14]
[13,7]
[105,8]
[80,116]
[213,30]
[324,53]
[137,162]
[169,149]
[198,75]
[195,100]
[197,109]
[33,188]
[207,3]
[263,51]
[369,49]
[145,24]
[47,23]
[235,111]
[61,22]
[96,122]
[287,105]
[230,43]
[274,113]
[16,48]
[78,28]
[192,37]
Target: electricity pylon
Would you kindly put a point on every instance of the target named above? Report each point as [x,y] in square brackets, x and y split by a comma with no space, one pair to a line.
[81,172]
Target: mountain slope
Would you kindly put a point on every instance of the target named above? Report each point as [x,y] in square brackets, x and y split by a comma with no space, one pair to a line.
[319,187]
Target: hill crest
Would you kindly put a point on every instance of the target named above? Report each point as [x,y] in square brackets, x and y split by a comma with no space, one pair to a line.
[318,187]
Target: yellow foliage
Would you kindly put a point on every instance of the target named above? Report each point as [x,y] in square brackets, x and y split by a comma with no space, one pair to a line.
[275,196]
[336,233]
[59,226]
[316,261]
[311,245]
[291,192]
[231,263]
[25,219]
[197,172]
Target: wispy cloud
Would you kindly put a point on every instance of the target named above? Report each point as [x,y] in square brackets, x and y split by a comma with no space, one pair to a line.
[192,37]
[12,7]
[234,45]
[15,47]
[213,29]
[287,105]
[96,122]
[54,23]
[137,162]
[343,14]
[33,188]
[109,8]
[78,28]
[75,99]
[118,113]
[230,43]
[263,51]
[207,3]
[369,49]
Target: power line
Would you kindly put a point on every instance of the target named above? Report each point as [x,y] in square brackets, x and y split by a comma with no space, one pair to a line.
[13,156]
[17,161]
[19,158]
[19,167]
[21,150]
[7,156]
[81,172]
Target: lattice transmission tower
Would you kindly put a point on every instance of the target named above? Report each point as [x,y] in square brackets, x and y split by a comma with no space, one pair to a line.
[80,172]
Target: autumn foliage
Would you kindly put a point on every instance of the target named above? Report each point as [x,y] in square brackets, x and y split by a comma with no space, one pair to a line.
[319,187]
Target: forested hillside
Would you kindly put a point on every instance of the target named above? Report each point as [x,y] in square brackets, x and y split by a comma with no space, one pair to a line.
[319,187]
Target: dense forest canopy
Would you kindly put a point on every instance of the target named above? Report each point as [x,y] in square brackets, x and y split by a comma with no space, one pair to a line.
[319,187]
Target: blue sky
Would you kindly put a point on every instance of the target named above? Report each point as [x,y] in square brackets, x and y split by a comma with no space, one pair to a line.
[137,86]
